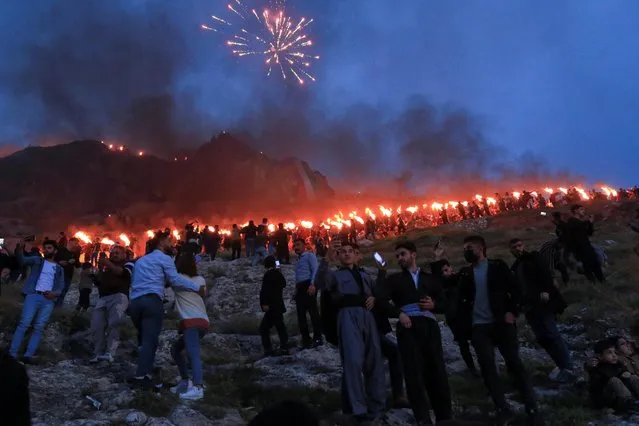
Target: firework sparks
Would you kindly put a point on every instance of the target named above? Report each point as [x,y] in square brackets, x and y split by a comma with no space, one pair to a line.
[276,36]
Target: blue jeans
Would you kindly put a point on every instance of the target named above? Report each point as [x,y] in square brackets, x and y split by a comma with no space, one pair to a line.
[250,247]
[260,254]
[189,340]
[36,310]
[147,314]
[544,326]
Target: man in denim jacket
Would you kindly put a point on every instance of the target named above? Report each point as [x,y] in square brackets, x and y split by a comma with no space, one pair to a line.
[41,289]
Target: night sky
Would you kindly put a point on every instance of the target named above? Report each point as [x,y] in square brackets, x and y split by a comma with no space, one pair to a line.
[402,86]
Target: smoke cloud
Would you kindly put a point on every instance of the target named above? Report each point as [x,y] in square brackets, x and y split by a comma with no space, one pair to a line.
[102,69]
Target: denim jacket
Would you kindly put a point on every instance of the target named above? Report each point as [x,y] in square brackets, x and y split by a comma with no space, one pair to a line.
[36,263]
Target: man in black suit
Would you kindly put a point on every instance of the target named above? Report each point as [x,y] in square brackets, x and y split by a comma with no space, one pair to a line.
[416,297]
[488,302]
[272,303]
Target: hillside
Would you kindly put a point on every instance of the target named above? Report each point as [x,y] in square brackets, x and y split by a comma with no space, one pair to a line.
[49,186]
[240,383]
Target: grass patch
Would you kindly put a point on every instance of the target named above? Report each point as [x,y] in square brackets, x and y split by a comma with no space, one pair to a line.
[153,404]
[239,389]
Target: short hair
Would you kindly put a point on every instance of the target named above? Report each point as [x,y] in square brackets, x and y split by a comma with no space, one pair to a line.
[348,244]
[302,240]
[264,220]
[269,262]
[286,413]
[185,264]
[355,246]
[575,207]
[50,243]
[478,239]
[514,241]
[74,240]
[603,345]
[407,245]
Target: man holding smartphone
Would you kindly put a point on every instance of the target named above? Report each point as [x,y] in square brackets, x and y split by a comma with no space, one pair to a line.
[41,288]
[416,297]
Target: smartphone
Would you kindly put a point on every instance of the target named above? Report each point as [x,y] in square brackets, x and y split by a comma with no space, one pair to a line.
[379,259]
[544,213]
[1,242]
[277,264]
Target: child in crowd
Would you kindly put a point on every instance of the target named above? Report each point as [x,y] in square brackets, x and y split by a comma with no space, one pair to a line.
[611,384]
[194,323]
[86,287]
[627,354]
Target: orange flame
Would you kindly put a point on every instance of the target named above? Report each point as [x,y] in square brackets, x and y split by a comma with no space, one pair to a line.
[176,234]
[107,241]
[306,224]
[125,239]
[150,234]
[83,237]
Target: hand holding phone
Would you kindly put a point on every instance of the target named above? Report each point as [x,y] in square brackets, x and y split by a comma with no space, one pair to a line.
[379,259]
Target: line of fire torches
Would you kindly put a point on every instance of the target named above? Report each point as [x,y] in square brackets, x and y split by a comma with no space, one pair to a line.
[338,221]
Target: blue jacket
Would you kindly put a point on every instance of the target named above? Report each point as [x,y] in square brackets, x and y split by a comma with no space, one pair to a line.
[36,262]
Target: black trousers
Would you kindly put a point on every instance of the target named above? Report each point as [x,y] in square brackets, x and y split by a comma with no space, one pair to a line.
[422,356]
[503,336]
[282,253]
[307,304]
[84,302]
[236,249]
[269,320]
[590,262]
[391,353]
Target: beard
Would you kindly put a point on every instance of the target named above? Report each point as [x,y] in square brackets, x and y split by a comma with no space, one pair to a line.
[49,256]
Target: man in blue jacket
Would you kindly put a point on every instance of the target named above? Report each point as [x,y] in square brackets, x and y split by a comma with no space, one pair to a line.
[41,289]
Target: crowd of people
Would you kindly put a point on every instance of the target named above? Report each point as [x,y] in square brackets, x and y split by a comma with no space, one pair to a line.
[481,303]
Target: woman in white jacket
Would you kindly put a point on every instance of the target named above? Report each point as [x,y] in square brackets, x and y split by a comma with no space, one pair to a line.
[194,324]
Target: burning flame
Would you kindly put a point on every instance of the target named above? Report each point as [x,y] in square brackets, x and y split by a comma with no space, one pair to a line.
[176,234]
[83,237]
[107,241]
[125,239]
[306,224]
[290,226]
[271,227]
[150,234]
[549,191]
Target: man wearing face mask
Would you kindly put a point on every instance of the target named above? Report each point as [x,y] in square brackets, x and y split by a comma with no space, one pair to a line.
[150,274]
[542,302]
[416,297]
[488,303]
[41,288]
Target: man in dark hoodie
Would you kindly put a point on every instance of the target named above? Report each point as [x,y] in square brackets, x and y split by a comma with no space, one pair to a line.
[272,303]
[542,302]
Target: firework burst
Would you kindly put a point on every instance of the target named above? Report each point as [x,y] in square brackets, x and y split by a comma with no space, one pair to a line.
[274,35]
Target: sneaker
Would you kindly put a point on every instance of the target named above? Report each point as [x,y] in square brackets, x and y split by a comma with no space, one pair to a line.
[106,357]
[193,393]
[181,387]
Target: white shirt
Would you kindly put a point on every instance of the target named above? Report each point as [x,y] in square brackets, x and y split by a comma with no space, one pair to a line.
[47,277]
[415,276]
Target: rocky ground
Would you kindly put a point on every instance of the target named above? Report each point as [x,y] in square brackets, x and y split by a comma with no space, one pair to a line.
[240,383]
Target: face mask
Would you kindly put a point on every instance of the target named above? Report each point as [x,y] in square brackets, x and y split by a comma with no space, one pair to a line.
[470,256]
